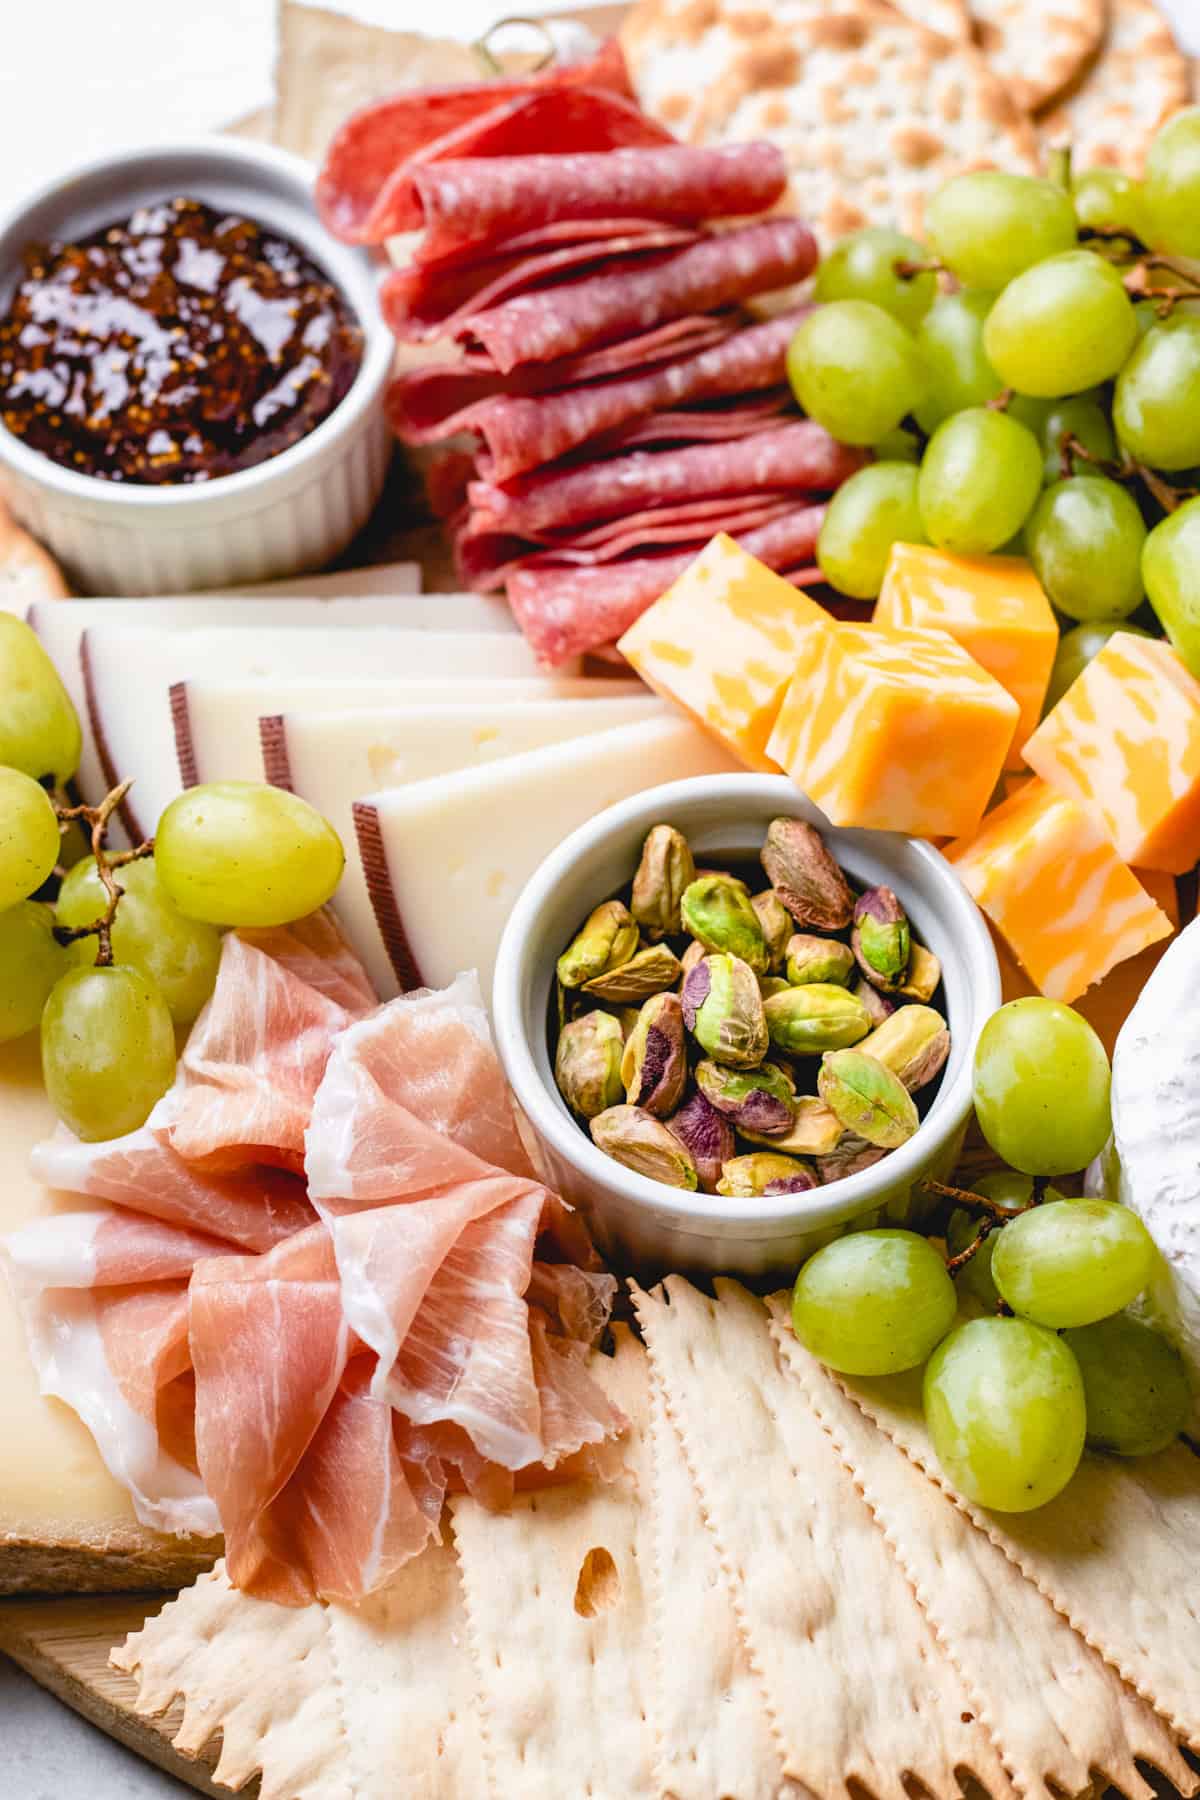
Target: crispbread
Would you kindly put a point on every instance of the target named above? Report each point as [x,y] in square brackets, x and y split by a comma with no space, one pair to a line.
[952,18]
[1115,1553]
[1059,1713]
[1110,116]
[872,112]
[27,572]
[558,1615]
[855,1683]
[1039,47]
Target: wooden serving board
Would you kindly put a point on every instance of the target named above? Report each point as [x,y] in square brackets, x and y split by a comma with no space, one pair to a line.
[64,1645]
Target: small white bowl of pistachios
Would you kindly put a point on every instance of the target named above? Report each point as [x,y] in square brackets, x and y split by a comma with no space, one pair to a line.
[738,1031]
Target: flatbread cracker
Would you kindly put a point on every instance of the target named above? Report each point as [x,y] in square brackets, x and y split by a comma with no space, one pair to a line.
[329,1702]
[872,112]
[1140,79]
[27,572]
[558,1614]
[1039,47]
[1115,1553]
[1057,1711]
[855,1683]
[950,18]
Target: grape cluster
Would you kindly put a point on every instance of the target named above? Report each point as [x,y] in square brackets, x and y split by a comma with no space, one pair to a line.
[130,947]
[1029,383]
[1050,1358]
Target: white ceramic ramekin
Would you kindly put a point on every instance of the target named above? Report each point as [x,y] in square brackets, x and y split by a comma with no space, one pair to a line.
[640,1223]
[294,512]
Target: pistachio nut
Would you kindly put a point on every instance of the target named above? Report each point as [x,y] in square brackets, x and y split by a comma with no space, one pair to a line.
[723,1009]
[754,1099]
[879,1006]
[649,972]
[634,1137]
[609,938]
[627,1017]
[811,958]
[772,984]
[851,1156]
[706,1136]
[869,1100]
[924,975]
[695,953]
[805,1021]
[717,911]
[776,922]
[914,1044]
[654,1067]
[587,1064]
[881,939]
[665,870]
[815,1131]
[762,1173]
[805,877]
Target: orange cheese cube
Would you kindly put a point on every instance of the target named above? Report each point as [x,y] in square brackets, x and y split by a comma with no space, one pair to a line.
[1050,881]
[1124,741]
[994,606]
[899,730]
[722,643]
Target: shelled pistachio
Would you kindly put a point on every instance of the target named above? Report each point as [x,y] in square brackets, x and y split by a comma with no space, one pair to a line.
[647,972]
[879,1006]
[764,1173]
[805,877]
[881,940]
[706,1136]
[913,1043]
[717,911]
[849,1157]
[654,1065]
[587,1064]
[666,869]
[814,1131]
[759,1099]
[820,1016]
[723,1010]
[609,938]
[869,1100]
[634,1137]
[777,925]
[811,958]
[924,975]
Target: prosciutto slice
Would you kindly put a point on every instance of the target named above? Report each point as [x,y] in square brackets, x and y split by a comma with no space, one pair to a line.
[314,950]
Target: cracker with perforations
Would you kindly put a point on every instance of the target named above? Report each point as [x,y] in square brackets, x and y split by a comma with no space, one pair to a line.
[872,112]
[1058,1712]
[1109,117]
[952,18]
[1039,47]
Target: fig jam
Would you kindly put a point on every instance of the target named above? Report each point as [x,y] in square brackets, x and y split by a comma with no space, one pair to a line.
[178,345]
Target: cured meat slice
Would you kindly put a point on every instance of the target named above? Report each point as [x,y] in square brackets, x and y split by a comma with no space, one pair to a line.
[716,422]
[365,190]
[715,272]
[109,1248]
[476,200]
[565,611]
[800,456]
[314,950]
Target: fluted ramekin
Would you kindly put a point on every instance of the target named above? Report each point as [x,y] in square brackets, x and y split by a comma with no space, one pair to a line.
[295,511]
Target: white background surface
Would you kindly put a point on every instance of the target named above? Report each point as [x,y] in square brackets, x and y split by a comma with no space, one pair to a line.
[74,75]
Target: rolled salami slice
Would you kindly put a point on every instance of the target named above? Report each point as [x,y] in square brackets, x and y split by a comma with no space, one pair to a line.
[479,199]
[365,190]
[564,612]
[718,271]
[716,422]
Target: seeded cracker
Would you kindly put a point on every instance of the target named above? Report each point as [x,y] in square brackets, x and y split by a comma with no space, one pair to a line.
[1055,1709]
[855,1683]
[1141,78]
[1039,47]
[872,112]
[559,1623]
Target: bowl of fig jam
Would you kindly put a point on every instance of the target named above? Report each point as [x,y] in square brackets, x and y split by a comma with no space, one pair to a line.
[191,372]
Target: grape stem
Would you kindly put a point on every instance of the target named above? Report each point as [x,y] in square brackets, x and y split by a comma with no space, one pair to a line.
[908,271]
[97,817]
[999,1215]
[1002,401]
[954,1263]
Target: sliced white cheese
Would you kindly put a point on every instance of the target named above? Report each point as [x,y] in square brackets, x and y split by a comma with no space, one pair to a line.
[129,672]
[329,759]
[336,584]
[445,859]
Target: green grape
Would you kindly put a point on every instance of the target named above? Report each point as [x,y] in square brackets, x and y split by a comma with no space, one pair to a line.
[1156,406]
[243,853]
[875,509]
[28,835]
[1085,541]
[1042,1087]
[1135,1384]
[986,226]
[1072,1265]
[1005,1409]
[1062,326]
[1030,410]
[980,476]
[39,730]
[179,955]
[863,267]
[855,370]
[900,445]
[1171,571]
[1005,1188]
[31,961]
[1076,649]
[873,1302]
[108,1050]
[1081,417]
[1172,185]
[950,341]
[1106,197]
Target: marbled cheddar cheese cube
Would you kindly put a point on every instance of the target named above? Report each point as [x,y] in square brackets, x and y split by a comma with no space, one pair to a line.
[722,643]
[1048,878]
[1124,741]
[994,606]
[899,730]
